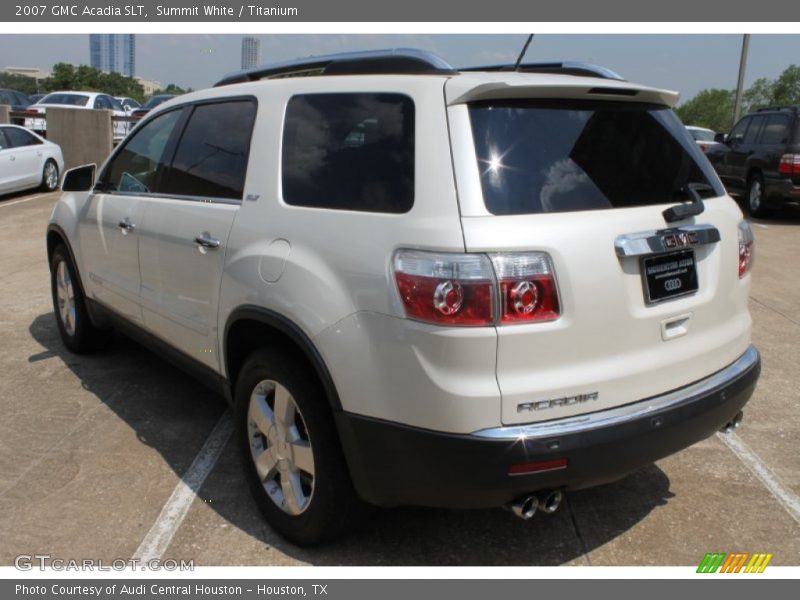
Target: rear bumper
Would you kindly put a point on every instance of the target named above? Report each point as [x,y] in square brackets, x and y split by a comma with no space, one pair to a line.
[393,464]
[782,189]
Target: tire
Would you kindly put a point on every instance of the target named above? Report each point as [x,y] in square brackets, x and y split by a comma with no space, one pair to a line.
[302,485]
[49,176]
[756,196]
[69,305]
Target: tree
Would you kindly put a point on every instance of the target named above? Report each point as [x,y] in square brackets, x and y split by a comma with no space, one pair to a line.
[709,108]
[21,83]
[758,95]
[786,89]
[172,89]
[88,79]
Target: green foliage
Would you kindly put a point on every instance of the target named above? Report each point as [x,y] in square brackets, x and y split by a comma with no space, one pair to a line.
[87,79]
[710,108]
[714,108]
[173,89]
[21,83]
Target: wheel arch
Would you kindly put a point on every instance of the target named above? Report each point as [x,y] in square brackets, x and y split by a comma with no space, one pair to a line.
[55,236]
[251,327]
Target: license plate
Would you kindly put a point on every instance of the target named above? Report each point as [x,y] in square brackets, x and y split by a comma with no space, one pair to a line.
[669,276]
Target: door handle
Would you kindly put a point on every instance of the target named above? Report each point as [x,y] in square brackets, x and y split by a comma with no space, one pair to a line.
[126,226]
[12,158]
[206,241]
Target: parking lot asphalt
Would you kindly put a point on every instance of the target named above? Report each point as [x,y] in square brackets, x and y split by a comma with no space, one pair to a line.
[93,447]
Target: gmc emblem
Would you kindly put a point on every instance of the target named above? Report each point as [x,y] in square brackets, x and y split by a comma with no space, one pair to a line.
[682,239]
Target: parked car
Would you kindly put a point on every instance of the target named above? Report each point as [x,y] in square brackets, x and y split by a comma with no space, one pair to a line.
[79,100]
[17,101]
[418,285]
[27,161]
[761,158]
[150,105]
[703,137]
[129,104]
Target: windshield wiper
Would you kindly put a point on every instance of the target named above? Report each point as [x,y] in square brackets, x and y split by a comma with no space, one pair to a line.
[695,207]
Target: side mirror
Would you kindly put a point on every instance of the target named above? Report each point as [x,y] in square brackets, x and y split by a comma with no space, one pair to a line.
[720,138]
[79,179]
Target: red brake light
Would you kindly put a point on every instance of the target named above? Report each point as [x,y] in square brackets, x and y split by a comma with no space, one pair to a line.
[476,289]
[746,248]
[538,466]
[528,290]
[789,164]
[447,289]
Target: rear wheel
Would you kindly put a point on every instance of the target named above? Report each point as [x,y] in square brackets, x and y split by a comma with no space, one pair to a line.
[291,452]
[756,196]
[49,176]
[72,318]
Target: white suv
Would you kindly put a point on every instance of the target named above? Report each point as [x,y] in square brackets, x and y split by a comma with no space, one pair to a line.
[418,285]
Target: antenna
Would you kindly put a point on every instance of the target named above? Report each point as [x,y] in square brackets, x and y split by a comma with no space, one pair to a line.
[522,54]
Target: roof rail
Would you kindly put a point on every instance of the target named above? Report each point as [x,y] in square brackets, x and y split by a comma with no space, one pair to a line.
[370,62]
[566,67]
[766,108]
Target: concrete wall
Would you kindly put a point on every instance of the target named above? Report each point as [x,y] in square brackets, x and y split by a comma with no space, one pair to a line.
[85,136]
[4,110]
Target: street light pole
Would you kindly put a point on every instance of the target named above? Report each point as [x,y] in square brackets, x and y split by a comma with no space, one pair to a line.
[737,106]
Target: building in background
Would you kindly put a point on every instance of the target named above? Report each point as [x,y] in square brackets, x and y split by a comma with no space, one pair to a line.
[32,72]
[150,86]
[251,52]
[113,53]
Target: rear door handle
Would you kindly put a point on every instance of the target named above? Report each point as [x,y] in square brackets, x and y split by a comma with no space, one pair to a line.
[125,226]
[206,241]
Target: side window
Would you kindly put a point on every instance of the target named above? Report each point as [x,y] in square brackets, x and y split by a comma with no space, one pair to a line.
[17,138]
[211,158]
[136,166]
[102,102]
[776,130]
[737,135]
[349,152]
[3,142]
[751,137]
[5,98]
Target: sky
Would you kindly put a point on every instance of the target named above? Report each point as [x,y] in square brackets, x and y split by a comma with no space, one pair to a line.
[681,62]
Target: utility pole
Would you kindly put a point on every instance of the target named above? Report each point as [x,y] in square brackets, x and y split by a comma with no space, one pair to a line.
[737,106]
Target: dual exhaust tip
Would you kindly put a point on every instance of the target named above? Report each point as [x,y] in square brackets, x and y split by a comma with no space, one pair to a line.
[527,506]
[733,423]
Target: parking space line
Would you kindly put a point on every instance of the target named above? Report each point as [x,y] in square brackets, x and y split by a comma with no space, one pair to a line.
[788,499]
[21,200]
[174,511]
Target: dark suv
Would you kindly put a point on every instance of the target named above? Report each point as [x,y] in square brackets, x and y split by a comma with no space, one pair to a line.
[761,158]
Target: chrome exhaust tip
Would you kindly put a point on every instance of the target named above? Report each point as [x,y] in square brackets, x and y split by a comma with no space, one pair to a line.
[552,502]
[524,507]
[733,423]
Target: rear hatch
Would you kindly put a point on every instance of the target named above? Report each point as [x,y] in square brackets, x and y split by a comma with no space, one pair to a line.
[583,171]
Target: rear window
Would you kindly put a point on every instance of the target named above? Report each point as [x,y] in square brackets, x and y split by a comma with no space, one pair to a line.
[66,99]
[702,135]
[557,156]
[776,130]
[349,152]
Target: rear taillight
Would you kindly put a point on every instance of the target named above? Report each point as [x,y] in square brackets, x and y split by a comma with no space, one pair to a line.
[746,248]
[476,289]
[789,164]
[528,289]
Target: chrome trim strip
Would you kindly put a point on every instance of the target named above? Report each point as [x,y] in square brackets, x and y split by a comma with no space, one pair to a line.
[643,243]
[203,199]
[622,414]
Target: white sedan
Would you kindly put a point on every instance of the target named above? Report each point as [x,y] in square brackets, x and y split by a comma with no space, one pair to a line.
[80,100]
[27,161]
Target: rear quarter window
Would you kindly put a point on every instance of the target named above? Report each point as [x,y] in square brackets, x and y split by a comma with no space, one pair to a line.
[776,131]
[349,152]
[558,156]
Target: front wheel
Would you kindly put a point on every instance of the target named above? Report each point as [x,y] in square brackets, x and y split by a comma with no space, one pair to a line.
[291,452]
[72,317]
[49,176]
[755,196]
